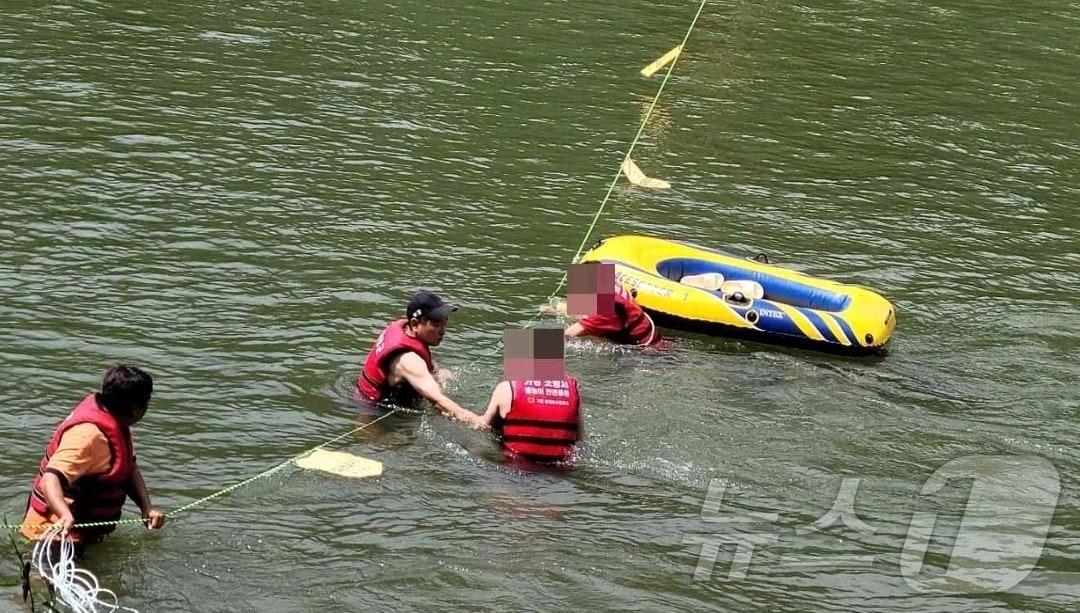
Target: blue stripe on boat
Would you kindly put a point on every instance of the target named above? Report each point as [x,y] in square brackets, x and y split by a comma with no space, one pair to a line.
[820,324]
[847,330]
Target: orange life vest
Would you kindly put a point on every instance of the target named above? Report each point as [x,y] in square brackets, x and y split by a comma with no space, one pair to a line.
[96,497]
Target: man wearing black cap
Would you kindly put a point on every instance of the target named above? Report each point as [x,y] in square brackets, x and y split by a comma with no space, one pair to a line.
[399,367]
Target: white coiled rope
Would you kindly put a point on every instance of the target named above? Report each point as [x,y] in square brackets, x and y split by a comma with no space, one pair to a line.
[77,588]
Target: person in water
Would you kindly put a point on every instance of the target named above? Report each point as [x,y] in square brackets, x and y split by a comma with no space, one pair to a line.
[89,468]
[606,309]
[399,368]
[536,409]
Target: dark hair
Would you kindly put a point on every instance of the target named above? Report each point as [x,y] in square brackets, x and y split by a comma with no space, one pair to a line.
[125,390]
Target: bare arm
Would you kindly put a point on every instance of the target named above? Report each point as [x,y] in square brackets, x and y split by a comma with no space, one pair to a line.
[501,397]
[54,495]
[575,329]
[137,491]
[412,368]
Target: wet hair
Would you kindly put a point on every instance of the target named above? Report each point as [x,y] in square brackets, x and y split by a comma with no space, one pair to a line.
[125,390]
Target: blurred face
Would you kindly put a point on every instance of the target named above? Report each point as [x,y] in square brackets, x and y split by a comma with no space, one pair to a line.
[429,330]
[534,354]
[591,289]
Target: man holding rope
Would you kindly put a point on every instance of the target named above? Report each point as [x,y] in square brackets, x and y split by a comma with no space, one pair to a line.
[89,466]
[399,368]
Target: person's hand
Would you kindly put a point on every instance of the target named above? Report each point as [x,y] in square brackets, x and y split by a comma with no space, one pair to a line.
[476,422]
[153,518]
[555,307]
[66,521]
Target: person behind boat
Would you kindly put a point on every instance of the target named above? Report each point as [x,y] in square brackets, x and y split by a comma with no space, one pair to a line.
[399,368]
[611,314]
[89,466]
[536,409]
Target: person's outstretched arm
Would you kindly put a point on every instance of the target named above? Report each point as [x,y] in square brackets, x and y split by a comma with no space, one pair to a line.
[412,368]
[575,329]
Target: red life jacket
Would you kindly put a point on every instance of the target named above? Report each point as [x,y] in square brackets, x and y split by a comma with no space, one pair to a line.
[543,420]
[373,382]
[96,497]
[637,327]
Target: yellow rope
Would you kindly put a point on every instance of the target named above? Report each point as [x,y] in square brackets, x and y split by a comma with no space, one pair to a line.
[618,171]
[228,490]
[562,281]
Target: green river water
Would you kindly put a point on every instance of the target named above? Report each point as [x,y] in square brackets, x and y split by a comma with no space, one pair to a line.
[237,196]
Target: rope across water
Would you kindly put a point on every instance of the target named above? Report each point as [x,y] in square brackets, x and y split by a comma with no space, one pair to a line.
[235,486]
[393,410]
[618,171]
[641,128]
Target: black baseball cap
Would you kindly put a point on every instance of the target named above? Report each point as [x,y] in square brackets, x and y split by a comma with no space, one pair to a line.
[429,305]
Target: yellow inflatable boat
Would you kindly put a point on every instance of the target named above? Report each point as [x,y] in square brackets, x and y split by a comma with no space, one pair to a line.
[687,287]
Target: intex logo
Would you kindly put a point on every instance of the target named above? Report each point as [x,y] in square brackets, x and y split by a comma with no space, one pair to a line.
[770,313]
